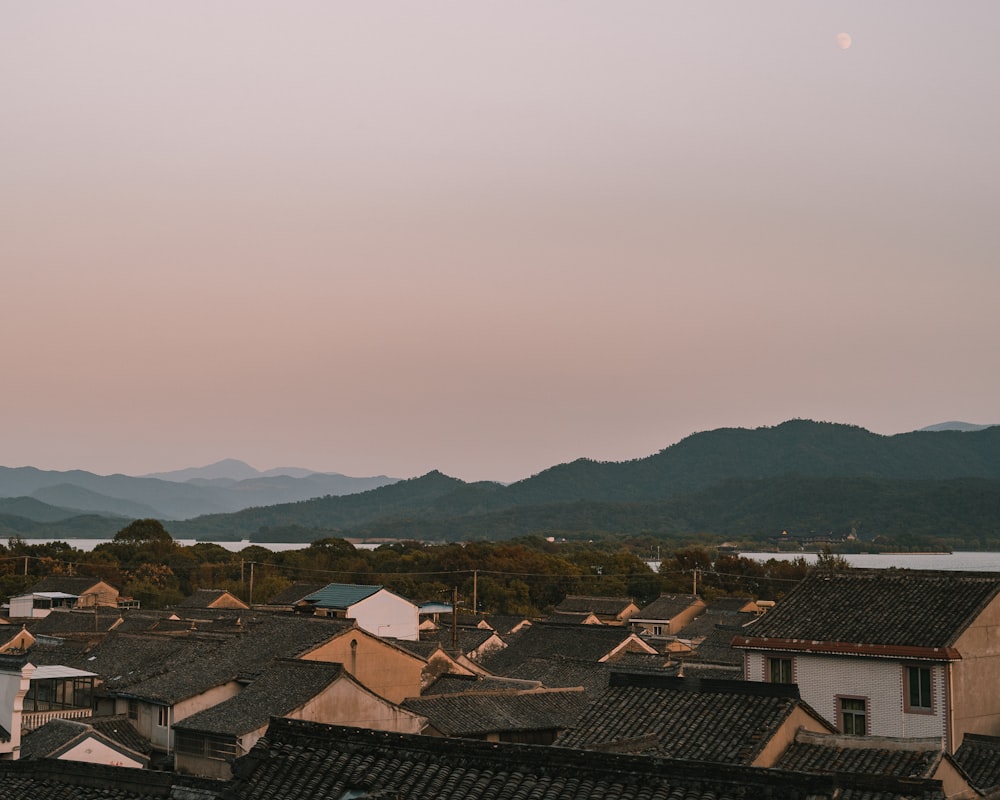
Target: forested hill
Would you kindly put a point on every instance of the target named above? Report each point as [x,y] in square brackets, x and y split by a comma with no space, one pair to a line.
[796,449]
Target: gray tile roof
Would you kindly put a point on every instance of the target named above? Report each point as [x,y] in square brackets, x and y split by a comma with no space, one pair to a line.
[724,721]
[169,668]
[294,593]
[979,757]
[469,639]
[297,759]
[882,608]
[481,713]
[667,606]
[869,755]
[66,621]
[550,640]
[64,583]
[51,779]
[282,687]
[603,606]
[57,734]
[450,683]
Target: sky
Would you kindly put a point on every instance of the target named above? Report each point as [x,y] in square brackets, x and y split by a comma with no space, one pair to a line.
[488,237]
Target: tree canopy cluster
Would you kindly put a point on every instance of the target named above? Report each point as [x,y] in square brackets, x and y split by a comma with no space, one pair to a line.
[525,576]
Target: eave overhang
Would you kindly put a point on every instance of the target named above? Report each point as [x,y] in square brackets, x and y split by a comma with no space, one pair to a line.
[908,652]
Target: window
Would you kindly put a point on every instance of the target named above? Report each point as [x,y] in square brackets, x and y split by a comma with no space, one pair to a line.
[163,716]
[133,709]
[779,670]
[918,689]
[657,630]
[853,716]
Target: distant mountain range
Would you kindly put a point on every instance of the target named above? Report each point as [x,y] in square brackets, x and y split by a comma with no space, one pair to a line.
[223,487]
[799,474]
[730,481]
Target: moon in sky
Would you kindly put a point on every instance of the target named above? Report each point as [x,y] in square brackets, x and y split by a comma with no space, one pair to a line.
[843,40]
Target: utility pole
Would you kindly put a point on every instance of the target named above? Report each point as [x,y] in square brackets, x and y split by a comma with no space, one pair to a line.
[454,618]
[694,575]
[250,603]
[475,603]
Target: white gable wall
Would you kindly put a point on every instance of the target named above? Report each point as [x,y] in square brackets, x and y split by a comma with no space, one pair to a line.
[387,614]
[822,679]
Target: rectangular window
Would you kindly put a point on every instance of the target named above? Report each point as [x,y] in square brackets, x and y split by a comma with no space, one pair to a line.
[853,716]
[133,709]
[657,630]
[779,670]
[918,689]
[163,716]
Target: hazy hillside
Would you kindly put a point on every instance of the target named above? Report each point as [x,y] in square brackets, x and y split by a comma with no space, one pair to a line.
[797,449]
[169,499]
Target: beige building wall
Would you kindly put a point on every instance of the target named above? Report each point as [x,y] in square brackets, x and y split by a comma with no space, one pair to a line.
[975,701]
[785,735]
[384,668]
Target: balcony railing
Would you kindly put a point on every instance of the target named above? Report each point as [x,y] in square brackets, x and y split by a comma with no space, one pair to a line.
[35,719]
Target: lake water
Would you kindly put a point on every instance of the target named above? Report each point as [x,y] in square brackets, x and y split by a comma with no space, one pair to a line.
[234,547]
[968,560]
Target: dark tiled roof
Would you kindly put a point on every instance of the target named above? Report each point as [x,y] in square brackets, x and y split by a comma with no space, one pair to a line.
[64,583]
[450,683]
[706,623]
[294,593]
[549,640]
[564,673]
[505,623]
[203,598]
[725,721]
[297,759]
[51,779]
[884,607]
[167,669]
[284,686]
[572,617]
[480,713]
[716,647]
[867,755]
[65,621]
[604,606]
[730,605]
[469,639]
[120,730]
[667,606]
[57,734]
[979,757]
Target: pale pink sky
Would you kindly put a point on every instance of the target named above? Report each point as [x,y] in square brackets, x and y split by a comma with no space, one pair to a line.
[486,238]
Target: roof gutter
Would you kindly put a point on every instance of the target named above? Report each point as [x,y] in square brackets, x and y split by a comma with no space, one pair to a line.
[911,652]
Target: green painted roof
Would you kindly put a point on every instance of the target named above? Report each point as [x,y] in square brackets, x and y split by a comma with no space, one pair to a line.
[341,595]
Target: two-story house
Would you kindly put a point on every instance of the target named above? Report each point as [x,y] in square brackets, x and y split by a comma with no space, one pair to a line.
[900,653]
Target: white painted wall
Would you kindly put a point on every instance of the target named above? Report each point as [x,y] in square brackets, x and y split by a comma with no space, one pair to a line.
[387,614]
[822,679]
